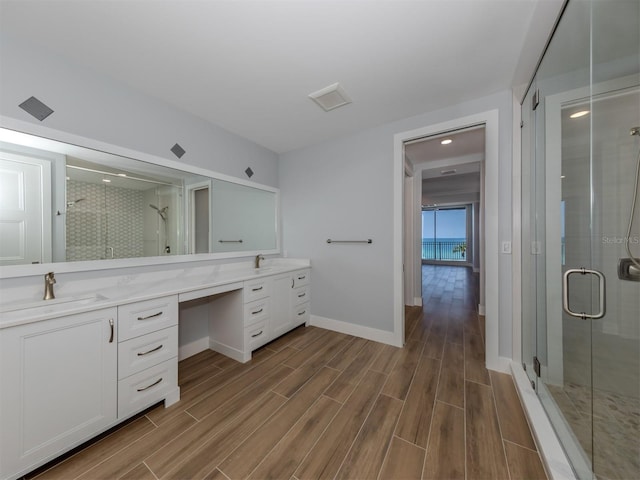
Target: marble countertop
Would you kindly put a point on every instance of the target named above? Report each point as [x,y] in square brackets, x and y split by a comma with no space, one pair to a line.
[228,277]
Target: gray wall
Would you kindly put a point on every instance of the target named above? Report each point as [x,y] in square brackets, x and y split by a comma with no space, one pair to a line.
[94,106]
[338,189]
[343,189]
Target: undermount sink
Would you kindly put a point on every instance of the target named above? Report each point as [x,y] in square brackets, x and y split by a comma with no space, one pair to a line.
[63,302]
[261,270]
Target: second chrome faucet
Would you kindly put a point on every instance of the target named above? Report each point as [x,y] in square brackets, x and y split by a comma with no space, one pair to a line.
[257,262]
[49,280]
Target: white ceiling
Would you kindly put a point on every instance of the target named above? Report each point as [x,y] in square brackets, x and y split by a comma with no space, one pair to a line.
[248,66]
[429,155]
[436,161]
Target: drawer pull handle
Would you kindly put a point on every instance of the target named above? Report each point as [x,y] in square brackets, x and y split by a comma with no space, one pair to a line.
[256,289]
[151,316]
[112,329]
[257,311]
[302,312]
[149,386]
[302,277]
[301,295]
[257,334]
[142,354]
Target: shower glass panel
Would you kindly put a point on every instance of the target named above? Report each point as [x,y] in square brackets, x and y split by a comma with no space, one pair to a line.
[581,320]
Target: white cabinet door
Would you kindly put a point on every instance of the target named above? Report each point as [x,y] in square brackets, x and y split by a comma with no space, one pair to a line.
[58,388]
[281,321]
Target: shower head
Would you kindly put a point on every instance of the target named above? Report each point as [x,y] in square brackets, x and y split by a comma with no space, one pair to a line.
[161,211]
[77,200]
[635,131]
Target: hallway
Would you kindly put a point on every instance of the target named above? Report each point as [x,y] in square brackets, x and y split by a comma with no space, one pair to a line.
[478,425]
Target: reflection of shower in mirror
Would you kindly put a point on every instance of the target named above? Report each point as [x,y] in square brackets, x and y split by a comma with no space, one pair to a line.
[162,212]
[74,202]
[163,215]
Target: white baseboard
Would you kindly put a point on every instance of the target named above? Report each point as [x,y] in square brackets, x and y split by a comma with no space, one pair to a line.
[190,349]
[230,352]
[499,364]
[369,333]
[481,310]
[417,301]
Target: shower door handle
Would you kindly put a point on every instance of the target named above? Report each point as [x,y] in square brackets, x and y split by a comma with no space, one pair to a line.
[565,293]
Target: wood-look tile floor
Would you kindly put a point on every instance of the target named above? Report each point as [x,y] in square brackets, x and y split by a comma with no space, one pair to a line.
[320,404]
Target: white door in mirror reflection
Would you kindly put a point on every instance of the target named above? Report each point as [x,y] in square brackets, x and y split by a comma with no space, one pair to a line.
[25,210]
[199,219]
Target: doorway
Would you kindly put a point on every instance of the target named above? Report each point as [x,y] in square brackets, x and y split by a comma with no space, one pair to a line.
[488,226]
[449,183]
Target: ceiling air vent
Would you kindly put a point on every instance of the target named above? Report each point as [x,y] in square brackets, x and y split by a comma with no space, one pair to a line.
[448,172]
[330,97]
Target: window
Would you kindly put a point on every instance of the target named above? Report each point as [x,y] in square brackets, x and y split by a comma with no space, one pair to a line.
[444,233]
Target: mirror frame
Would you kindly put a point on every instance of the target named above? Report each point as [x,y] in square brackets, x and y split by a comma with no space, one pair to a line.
[12,128]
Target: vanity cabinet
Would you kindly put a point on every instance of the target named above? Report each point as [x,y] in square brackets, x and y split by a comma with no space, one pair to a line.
[290,300]
[270,307]
[59,386]
[147,353]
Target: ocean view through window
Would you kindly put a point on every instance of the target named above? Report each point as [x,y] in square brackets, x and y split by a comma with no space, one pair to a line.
[444,234]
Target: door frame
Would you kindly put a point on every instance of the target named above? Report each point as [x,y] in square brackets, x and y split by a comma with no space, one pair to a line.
[489,255]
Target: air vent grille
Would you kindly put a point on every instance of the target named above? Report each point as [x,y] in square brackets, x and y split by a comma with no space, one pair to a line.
[331,97]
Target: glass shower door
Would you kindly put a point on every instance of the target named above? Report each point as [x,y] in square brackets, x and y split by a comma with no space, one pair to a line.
[581,311]
[592,384]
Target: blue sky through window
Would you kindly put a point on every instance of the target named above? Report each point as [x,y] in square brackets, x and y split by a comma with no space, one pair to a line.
[449,223]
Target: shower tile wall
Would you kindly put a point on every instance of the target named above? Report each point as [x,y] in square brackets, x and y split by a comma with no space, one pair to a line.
[613,339]
[600,396]
[107,217]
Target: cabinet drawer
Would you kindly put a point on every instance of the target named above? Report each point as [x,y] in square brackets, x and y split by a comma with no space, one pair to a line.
[256,335]
[301,278]
[301,314]
[256,289]
[256,311]
[145,388]
[301,295]
[140,318]
[142,352]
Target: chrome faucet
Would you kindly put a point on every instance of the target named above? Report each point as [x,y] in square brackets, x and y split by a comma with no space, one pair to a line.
[49,280]
[258,258]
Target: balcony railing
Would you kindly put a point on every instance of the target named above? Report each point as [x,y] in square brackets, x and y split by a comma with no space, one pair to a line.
[444,250]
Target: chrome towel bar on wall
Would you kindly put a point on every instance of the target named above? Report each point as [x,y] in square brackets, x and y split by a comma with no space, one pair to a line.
[349,241]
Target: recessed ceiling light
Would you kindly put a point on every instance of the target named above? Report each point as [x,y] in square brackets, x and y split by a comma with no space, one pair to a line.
[106,180]
[579,114]
[446,141]
[330,97]
[122,174]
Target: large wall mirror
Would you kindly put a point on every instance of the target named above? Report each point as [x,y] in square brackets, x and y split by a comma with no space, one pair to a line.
[64,203]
